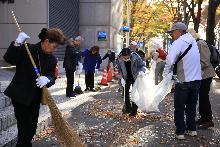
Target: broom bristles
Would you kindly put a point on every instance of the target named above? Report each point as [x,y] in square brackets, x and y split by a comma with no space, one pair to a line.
[64,133]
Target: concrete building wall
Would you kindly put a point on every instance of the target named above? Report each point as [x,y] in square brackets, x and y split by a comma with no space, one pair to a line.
[100,15]
[32,15]
[64,15]
[92,16]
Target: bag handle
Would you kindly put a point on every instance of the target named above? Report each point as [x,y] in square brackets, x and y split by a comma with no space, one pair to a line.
[180,58]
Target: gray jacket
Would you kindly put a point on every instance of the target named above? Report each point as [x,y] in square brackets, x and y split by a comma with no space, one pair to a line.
[137,65]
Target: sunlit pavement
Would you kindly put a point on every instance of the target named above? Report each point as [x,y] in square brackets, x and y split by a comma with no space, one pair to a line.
[100,122]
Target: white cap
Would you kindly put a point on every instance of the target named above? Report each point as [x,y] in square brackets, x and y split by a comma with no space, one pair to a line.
[133,43]
[79,38]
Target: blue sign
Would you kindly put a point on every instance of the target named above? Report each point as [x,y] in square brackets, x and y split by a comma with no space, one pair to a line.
[102,36]
[125,29]
[140,44]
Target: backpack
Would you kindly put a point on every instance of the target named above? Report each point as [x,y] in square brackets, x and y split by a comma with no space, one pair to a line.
[215,57]
[162,54]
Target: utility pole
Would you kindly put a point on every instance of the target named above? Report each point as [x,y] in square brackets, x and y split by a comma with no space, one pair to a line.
[128,23]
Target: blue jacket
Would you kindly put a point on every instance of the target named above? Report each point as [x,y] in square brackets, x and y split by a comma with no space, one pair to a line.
[90,61]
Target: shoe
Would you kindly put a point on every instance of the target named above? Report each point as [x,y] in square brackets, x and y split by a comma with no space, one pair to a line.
[87,89]
[92,89]
[191,133]
[132,114]
[71,95]
[180,137]
[206,125]
[124,111]
[199,121]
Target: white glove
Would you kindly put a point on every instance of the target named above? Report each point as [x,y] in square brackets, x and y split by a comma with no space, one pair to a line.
[141,73]
[123,82]
[96,71]
[79,68]
[21,38]
[42,81]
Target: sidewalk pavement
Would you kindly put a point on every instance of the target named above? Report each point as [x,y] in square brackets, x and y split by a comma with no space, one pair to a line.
[99,121]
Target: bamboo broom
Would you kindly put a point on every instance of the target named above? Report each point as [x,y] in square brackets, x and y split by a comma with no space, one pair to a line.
[64,133]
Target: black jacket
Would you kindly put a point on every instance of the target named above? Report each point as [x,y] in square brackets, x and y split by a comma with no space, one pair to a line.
[110,56]
[22,88]
[71,58]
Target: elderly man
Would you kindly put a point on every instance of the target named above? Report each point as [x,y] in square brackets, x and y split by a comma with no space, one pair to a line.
[71,58]
[133,46]
[184,56]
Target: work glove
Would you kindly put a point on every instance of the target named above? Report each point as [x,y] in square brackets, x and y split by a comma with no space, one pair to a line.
[79,68]
[22,37]
[96,71]
[123,82]
[42,81]
[141,74]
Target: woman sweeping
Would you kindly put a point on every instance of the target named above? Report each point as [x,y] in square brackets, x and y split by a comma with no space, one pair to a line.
[25,89]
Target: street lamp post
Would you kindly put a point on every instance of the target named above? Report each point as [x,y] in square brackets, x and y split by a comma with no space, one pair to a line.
[128,23]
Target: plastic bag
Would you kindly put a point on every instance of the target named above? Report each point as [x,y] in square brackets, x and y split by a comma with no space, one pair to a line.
[152,68]
[79,68]
[147,95]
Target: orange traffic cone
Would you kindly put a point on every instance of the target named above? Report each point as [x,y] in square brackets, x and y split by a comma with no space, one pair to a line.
[56,71]
[104,78]
[116,72]
[110,74]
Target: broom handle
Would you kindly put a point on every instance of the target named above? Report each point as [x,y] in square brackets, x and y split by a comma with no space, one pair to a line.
[124,93]
[26,46]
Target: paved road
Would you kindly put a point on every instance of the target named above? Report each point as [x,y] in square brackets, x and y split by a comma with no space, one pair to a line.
[100,123]
[98,119]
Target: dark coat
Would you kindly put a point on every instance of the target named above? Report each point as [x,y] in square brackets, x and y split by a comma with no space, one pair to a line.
[22,88]
[111,56]
[71,58]
[91,61]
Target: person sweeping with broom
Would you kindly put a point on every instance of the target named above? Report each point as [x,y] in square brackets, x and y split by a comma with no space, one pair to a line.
[25,89]
[70,63]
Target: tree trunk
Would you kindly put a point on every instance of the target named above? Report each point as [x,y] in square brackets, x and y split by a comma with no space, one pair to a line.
[198,17]
[210,34]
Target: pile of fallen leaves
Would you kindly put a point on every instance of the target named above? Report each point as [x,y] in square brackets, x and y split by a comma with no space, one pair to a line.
[46,133]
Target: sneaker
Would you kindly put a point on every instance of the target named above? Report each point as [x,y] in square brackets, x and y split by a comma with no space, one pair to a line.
[206,125]
[191,133]
[180,137]
[87,89]
[199,121]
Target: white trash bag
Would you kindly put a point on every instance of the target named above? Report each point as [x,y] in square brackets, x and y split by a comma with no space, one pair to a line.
[79,68]
[147,95]
[152,68]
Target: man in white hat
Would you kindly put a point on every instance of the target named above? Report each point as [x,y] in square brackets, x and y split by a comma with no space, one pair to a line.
[187,72]
[133,46]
